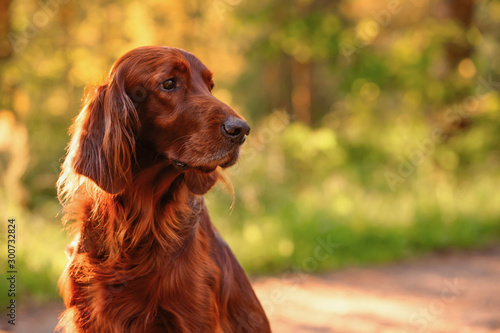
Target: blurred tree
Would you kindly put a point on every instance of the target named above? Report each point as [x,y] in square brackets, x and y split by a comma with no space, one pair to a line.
[5,47]
[298,41]
[462,12]
[459,52]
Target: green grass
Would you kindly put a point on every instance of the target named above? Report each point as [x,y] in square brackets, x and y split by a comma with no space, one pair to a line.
[40,257]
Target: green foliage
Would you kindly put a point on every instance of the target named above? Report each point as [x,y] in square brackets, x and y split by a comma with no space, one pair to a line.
[388,151]
[40,257]
[306,184]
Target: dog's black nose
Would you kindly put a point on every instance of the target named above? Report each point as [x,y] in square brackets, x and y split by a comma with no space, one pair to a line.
[236,129]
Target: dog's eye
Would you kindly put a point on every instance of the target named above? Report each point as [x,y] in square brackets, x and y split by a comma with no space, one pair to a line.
[212,85]
[169,84]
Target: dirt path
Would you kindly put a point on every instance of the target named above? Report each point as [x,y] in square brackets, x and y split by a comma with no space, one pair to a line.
[456,293]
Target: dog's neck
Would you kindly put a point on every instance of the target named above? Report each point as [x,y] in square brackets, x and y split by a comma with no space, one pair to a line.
[156,214]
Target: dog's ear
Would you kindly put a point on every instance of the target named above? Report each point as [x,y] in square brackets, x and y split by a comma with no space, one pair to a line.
[200,182]
[104,136]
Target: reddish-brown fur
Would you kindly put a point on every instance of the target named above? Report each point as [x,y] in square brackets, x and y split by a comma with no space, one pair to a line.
[146,257]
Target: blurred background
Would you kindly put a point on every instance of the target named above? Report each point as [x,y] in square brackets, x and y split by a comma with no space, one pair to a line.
[374,123]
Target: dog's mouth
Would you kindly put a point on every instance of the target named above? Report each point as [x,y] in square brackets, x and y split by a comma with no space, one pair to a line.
[225,161]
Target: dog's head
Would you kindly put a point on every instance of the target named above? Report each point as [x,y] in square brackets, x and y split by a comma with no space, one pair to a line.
[156,104]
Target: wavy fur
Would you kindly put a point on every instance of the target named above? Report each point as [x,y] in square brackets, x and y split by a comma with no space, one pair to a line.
[146,257]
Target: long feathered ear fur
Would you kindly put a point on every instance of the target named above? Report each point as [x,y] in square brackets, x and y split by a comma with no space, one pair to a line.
[103,146]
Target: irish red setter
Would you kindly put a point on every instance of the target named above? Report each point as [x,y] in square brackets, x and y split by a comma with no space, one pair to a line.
[147,145]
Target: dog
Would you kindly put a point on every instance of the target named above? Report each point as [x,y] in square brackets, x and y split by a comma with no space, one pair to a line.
[146,146]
